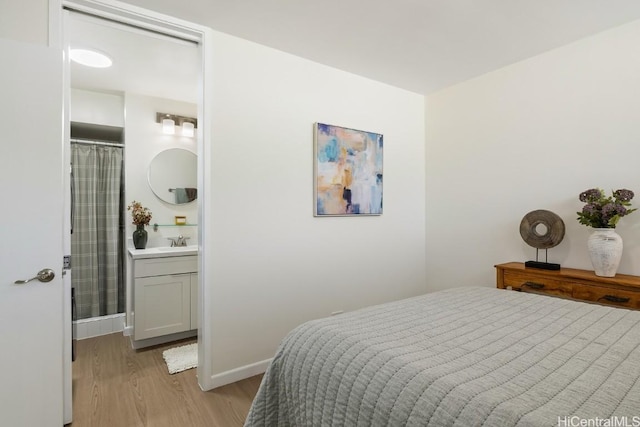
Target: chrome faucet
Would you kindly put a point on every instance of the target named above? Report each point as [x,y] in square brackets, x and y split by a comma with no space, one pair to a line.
[178,241]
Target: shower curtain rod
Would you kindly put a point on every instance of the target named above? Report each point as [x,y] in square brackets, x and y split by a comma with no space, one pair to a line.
[86,141]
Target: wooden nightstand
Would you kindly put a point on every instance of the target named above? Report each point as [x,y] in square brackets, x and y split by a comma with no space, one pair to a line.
[621,291]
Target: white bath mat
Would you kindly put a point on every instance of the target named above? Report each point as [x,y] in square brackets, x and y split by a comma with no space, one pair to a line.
[180,359]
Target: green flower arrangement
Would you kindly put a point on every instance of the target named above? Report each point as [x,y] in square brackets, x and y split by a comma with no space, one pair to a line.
[604,212]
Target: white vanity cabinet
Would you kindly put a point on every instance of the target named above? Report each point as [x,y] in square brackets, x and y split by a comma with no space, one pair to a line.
[194,301]
[165,295]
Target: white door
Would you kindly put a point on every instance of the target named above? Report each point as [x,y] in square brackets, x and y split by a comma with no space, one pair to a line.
[31,219]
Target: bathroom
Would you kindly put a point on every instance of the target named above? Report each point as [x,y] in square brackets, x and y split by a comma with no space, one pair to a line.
[123,106]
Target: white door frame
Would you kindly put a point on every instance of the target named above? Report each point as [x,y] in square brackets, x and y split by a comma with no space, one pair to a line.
[129,14]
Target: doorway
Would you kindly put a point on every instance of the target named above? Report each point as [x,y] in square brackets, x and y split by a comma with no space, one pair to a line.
[158,30]
[150,74]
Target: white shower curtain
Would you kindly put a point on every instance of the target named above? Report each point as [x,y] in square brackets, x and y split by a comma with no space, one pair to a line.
[97,249]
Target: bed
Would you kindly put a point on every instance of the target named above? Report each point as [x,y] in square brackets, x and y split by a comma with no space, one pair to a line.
[460,357]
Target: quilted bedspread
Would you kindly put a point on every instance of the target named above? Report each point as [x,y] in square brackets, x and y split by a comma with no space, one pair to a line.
[460,357]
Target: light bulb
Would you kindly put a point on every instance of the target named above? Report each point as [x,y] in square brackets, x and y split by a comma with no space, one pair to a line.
[168,126]
[188,129]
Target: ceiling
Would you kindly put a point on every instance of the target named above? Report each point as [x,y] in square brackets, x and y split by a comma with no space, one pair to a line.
[144,62]
[418,45]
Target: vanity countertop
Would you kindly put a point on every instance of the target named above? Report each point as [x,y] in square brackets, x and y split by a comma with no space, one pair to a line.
[163,252]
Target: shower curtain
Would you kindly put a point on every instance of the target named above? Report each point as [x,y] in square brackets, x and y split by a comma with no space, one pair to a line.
[97,245]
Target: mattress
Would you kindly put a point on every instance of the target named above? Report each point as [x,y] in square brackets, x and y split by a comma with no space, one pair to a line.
[460,357]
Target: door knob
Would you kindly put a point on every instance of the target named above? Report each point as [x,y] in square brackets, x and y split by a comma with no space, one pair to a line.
[44,275]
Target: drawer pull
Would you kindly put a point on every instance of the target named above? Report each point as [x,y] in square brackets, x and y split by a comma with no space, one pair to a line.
[533,285]
[613,298]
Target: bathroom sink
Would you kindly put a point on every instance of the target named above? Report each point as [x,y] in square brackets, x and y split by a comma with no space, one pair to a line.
[177,248]
[163,252]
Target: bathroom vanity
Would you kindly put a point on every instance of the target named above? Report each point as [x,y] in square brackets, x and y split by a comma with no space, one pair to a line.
[165,294]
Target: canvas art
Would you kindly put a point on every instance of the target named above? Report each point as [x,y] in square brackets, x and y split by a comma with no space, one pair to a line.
[348,171]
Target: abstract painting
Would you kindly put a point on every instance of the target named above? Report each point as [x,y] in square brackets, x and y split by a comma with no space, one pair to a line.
[348,171]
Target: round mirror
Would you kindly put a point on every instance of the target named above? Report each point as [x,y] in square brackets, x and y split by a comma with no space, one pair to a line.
[173,176]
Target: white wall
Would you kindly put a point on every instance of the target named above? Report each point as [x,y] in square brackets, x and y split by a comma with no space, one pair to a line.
[87,106]
[25,20]
[531,136]
[274,265]
[143,141]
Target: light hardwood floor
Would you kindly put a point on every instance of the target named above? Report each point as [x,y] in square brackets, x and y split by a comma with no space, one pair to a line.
[114,385]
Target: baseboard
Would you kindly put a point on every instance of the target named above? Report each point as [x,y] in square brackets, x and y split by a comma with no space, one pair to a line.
[241,373]
[136,345]
[96,326]
[128,331]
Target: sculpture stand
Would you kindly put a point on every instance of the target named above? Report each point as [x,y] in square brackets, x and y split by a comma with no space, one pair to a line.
[542,265]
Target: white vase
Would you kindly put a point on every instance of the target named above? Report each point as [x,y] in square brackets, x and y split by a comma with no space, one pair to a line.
[605,250]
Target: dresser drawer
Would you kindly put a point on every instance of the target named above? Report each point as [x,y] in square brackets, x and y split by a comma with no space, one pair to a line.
[608,296]
[531,283]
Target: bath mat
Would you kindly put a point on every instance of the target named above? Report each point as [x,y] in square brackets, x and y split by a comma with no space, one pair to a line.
[180,359]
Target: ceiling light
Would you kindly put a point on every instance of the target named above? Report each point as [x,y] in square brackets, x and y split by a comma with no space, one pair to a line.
[90,58]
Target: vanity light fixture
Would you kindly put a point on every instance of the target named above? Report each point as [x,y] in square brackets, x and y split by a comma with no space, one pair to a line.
[90,58]
[170,121]
[188,129]
[168,125]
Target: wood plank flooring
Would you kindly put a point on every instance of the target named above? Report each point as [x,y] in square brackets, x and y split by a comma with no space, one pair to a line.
[114,385]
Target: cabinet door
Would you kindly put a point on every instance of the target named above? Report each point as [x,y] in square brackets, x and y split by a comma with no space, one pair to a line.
[194,300]
[162,305]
